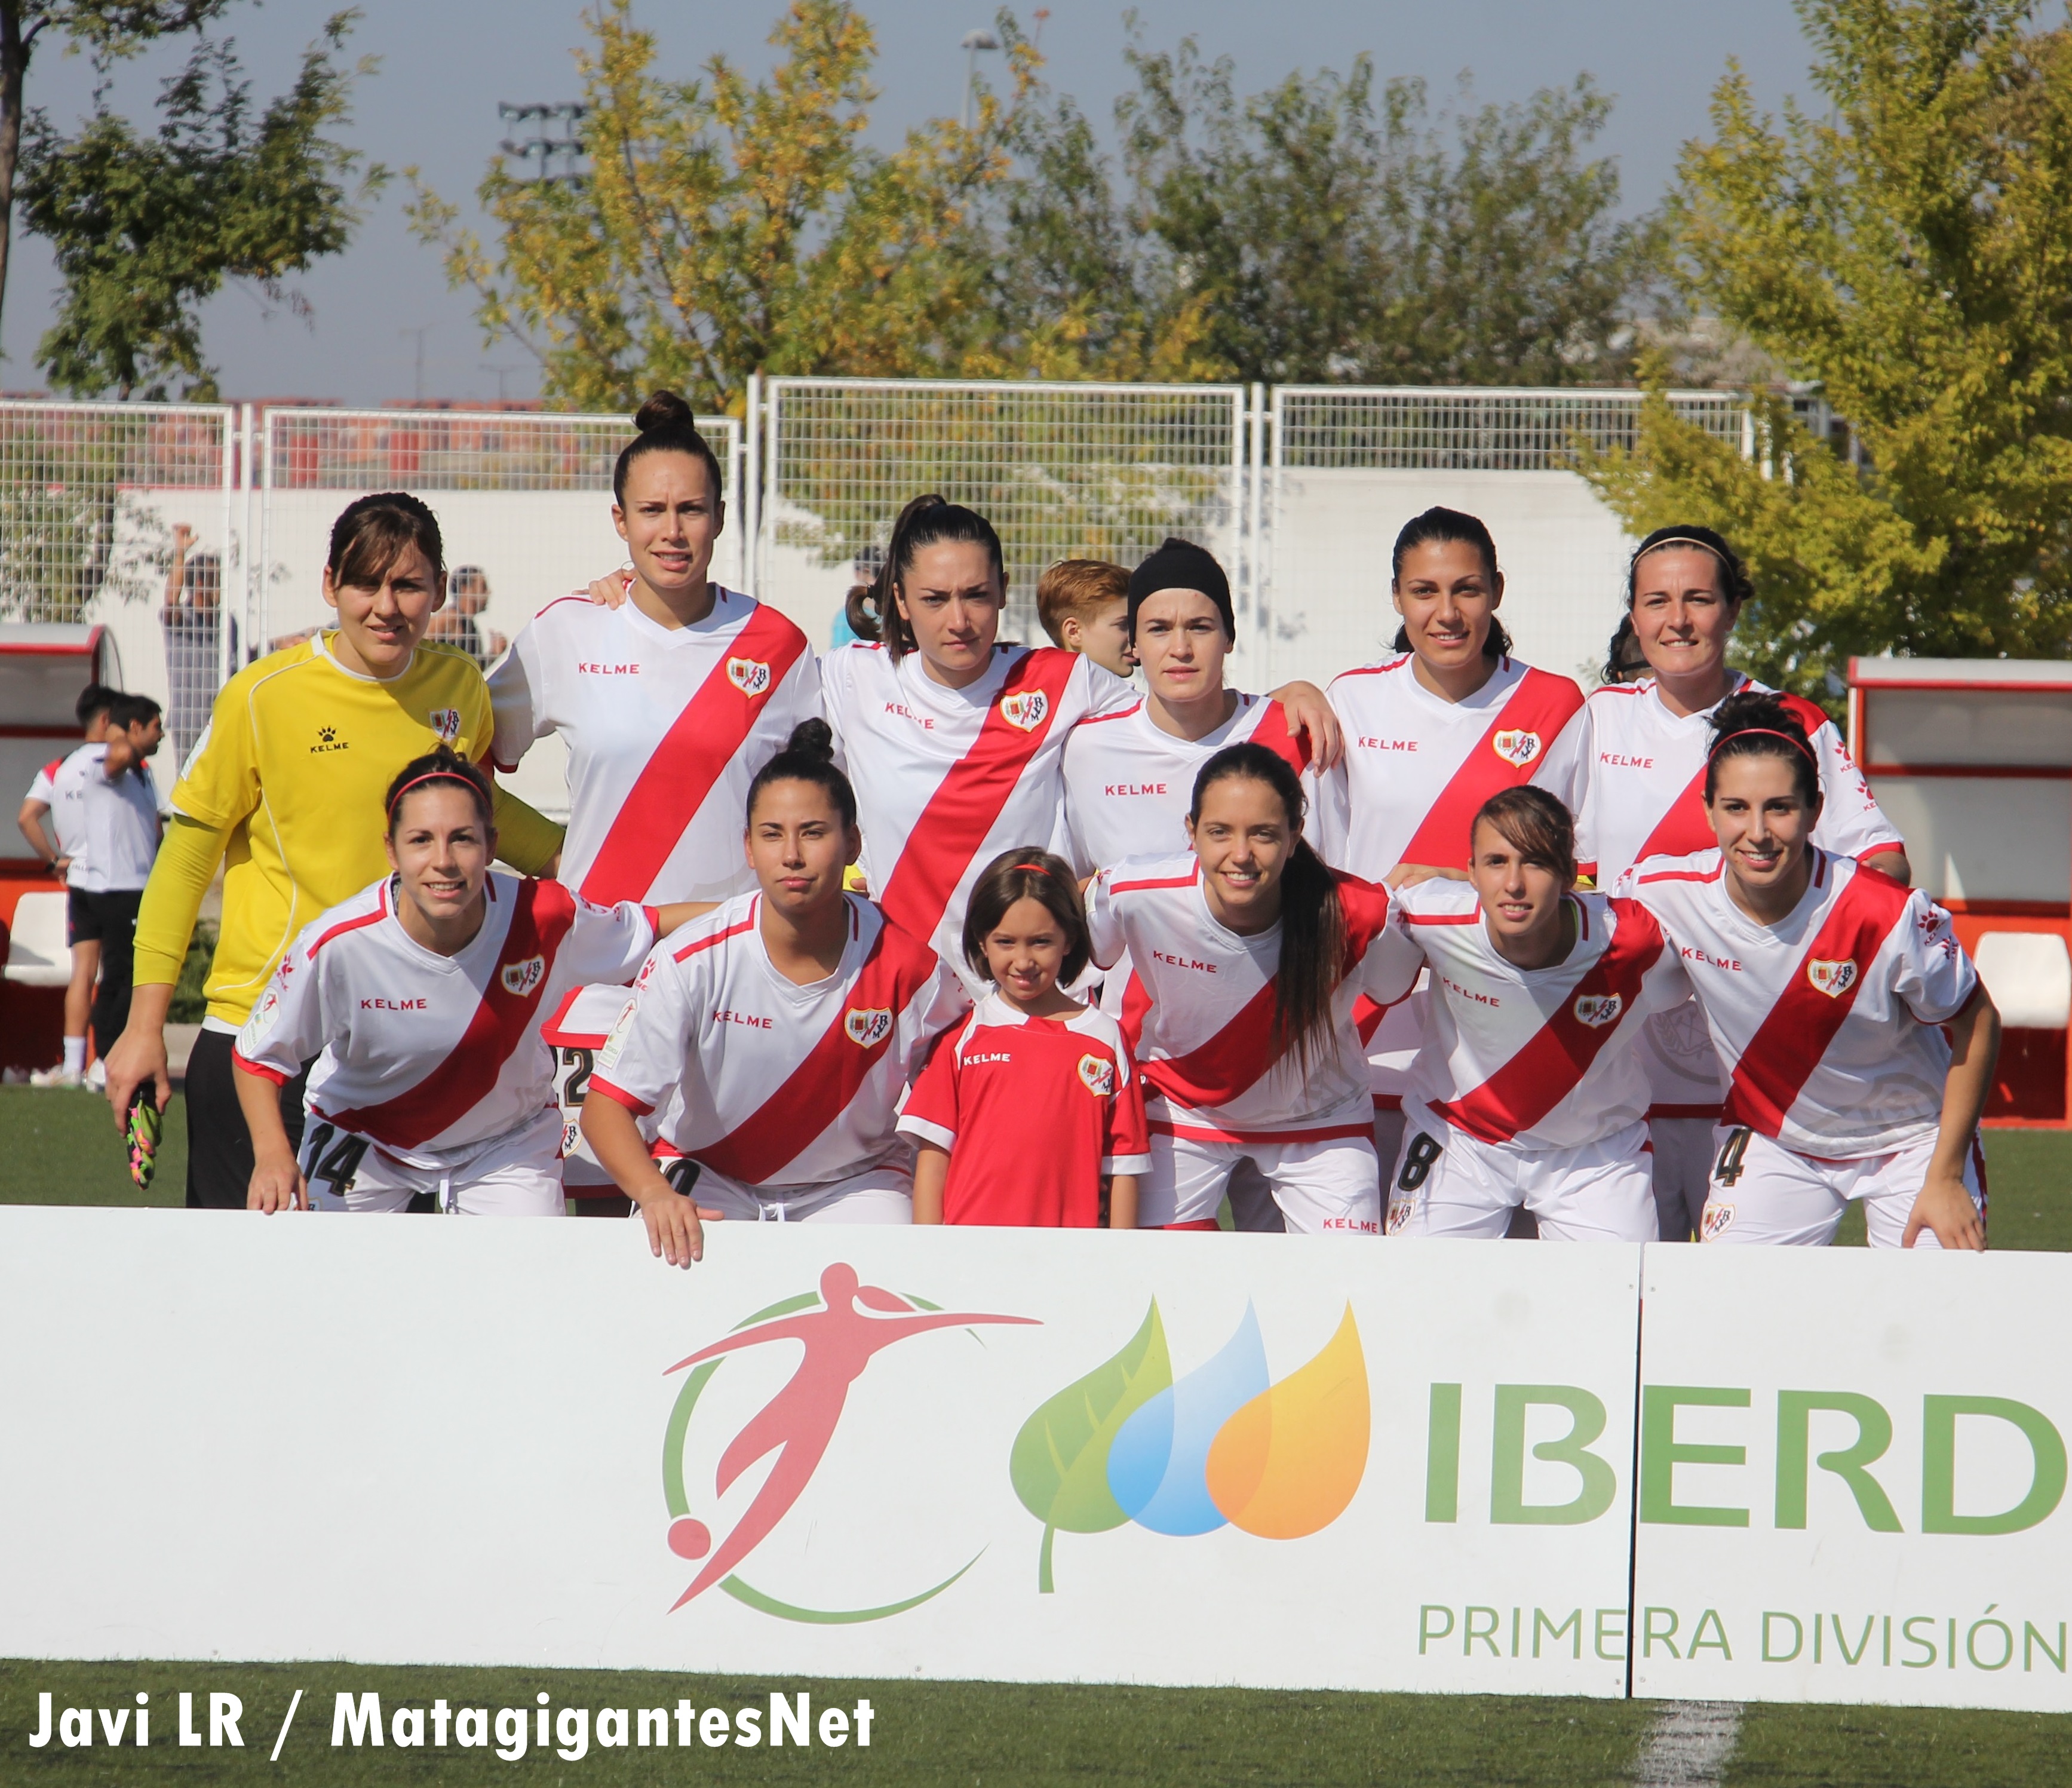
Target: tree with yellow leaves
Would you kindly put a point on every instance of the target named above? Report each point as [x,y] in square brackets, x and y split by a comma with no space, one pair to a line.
[1909,252]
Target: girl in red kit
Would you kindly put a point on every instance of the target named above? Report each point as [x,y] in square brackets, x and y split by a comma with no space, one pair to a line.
[1029,1064]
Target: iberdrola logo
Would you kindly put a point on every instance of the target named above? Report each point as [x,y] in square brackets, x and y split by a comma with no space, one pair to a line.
[1224,1445]
[842,1328]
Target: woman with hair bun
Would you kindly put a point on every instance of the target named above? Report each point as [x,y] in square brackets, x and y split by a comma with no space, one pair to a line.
[1828,989]
[956,741]
[770,1043]
[1641,751]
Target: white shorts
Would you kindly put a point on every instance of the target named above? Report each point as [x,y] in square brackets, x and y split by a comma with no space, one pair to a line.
[1449,1183]
[518,1174]
[1763,1193]
[1331,1186]
[879,1194]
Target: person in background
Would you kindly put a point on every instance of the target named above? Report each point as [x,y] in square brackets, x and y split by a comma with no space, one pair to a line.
[1085,606]
[468,595]
[55,847]
[1624,662]
[193,621]
[284,790]
[114,807]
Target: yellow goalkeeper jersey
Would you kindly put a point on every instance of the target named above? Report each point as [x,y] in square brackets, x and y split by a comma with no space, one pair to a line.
[298,754]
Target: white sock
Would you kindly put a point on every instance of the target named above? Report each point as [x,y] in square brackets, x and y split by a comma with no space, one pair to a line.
[75,1059]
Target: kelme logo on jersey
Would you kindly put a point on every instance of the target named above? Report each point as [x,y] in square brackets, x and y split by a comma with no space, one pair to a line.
[868,1026]
[1598,1009]
[1098,1075]
[1026,710]
[751,675]
[446,722]
[327,740]
[521,978]
[1516,746]
[1223,1445]
[1833,979]
[797,1424]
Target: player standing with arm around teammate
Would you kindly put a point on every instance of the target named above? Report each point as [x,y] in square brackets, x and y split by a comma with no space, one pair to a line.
[1432,732]
[773,1038]
[1248,956]
[1529,1090]
[956,743]
[1828,987]
[1029,1062]
[422,998]
[1642,749]
[300,742]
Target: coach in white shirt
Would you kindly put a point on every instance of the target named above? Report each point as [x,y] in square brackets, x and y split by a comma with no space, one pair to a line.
[112,804]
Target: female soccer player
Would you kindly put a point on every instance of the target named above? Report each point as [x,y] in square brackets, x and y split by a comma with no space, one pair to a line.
[1030,1062]
[1826,987]
[667,702]
[302,743]
[1249,955]
[773,1039]
[1642,749]
[1529,1090]
[422,999]
[955,742]
[1431,733]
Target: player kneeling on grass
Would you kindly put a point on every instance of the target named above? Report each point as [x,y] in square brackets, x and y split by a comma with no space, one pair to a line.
[422,998]
[1248,956]
[1827,988]
[1024,1108]
[1529,1089]
[773,1039]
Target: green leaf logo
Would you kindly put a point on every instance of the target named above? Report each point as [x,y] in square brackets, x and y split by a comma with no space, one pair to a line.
[1059,1465]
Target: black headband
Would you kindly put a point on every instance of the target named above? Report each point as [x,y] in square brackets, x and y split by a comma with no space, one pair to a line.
[1181,565]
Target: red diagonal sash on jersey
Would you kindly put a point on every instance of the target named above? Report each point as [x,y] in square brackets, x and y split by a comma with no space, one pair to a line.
[1552,1063]
[691,757]
[1789,1043]
[821,1088]
[1685,830]
[541,917]
[954,824]
[1215,1072]
[1293,749]
[1542,704]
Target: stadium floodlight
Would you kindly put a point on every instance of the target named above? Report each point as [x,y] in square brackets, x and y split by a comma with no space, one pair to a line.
[972,43]
[559,128]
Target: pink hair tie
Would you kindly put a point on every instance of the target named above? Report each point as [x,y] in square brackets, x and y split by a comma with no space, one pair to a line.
[430,776]
[1768,733]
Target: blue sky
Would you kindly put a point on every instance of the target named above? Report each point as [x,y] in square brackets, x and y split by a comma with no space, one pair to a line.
[446,65]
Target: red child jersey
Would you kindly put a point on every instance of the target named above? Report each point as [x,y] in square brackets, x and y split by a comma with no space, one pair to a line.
[1032,1112]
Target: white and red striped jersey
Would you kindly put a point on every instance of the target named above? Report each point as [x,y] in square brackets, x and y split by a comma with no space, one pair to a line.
[946,779]
[763,1080]
[1545,1058]
[1417,768]
[432,1056]
[1826,1023]
[1642,787]
[1199,1010]
[665,728]
[1032,1112]
[1128,782]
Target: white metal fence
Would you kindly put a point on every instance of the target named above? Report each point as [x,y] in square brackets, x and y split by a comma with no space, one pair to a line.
[1300,491]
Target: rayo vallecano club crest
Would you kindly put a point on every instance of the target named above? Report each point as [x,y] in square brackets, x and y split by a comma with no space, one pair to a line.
[1516,745]
[446,722]
[751,675]
[521,978]
[1598,1009]
[1098,1073]
[1026,710]
[1833,979]
[868,1026]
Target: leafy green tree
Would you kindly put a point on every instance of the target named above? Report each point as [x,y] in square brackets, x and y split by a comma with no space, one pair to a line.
[109,29]
[1904,247]
[145,228]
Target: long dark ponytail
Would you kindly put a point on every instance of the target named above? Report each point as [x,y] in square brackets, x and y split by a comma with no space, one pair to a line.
[873,609]
[1442,526]
[1313,919]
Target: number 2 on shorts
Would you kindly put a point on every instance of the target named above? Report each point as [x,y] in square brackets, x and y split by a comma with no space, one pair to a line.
[1728,1169]
[1418,1162]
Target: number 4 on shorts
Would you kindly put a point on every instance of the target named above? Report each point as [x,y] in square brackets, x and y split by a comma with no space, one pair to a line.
[1728,1169]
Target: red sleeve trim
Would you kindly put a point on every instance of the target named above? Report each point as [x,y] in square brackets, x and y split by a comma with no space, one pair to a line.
[1120,713]
[1186,880]
[361,923]
[618,1095]
[654,919]
[1681,875]
[691,949]
[238,1060]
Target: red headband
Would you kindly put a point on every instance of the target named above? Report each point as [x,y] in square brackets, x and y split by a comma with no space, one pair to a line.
[1768,733]
[396,800]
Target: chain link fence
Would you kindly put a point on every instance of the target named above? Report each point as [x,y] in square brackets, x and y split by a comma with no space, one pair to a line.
[1063,470]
